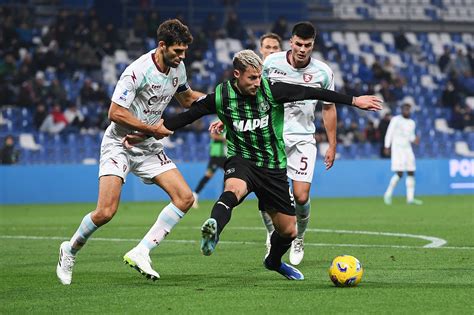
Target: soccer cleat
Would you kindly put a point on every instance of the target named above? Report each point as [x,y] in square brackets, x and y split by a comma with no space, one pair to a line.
[268,244]
[287,271]
[65,263]
[209,237]
[196,201]
[141,263]
[387,200]
[416,202]
[296,251]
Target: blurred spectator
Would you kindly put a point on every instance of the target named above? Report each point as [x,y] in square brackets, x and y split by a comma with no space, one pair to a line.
[341,133]
[153,22]
[445,58]
[55,122]
[57,91]
[39,116]
[459,64]
[467,83]
[462,117]
[40,88]
[382,129]
[371,133]
[450,96]
[354,134]
[88,92]
[75,119]
[281,27]
[387,94]
[403,44]
[7,66]
[8,153]
[380,73]
[211,27]
[233,26]
[140,27]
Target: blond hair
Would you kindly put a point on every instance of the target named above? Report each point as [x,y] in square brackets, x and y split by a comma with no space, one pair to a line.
[246,58]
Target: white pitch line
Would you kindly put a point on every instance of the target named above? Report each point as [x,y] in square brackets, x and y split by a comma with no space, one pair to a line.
[28,237]
[435,242]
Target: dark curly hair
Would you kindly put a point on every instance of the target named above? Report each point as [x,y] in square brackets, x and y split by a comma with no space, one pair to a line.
[174,32]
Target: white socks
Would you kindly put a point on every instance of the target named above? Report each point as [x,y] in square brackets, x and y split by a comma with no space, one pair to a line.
[86,228]
[302,217]
[168,218]
[391,186]
[410,183]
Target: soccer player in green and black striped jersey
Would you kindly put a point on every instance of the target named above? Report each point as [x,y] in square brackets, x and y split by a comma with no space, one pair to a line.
[251,107]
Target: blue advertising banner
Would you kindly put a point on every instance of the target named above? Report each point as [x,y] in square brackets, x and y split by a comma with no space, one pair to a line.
[348,178]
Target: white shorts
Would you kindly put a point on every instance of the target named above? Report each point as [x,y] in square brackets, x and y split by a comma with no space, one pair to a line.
[116,160]
[403,160]
[301,154]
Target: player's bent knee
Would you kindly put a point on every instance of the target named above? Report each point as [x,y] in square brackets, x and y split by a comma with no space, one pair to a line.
[103,215]
[288,231]
[302,198]
[184,201]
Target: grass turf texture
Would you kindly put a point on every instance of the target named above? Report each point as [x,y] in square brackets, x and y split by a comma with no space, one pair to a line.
[409,279]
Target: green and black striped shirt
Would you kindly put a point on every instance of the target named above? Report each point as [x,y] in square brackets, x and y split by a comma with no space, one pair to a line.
[254,123]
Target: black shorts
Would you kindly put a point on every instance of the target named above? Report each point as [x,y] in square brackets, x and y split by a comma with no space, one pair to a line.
[269,185]
[215,163]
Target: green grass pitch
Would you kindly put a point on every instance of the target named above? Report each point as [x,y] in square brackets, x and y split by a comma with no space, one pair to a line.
[401,274]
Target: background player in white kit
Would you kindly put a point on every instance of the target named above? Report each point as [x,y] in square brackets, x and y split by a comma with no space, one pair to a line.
[297,67]
[400,135]
[144,90]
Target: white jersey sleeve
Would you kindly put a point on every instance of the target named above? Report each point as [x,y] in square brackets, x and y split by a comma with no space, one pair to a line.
[127,86]
[300,115]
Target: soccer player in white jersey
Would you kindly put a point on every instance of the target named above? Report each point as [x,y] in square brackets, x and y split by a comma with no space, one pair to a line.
[400,135]
[296,66]
[144,90]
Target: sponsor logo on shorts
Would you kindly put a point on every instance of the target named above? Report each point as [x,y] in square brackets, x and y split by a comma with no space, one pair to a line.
[230,171]
[301,173]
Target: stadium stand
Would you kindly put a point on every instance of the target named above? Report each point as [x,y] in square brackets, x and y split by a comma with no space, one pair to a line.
[67,54]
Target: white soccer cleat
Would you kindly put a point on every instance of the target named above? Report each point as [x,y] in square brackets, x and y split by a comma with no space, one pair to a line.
[65,263]
[196,201]
[387,200]
[416,202]
[296,251]
[268,244]
[141,263]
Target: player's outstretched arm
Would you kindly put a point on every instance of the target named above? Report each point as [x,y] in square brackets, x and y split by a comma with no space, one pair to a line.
[203,106]
[285,92]
[188,97]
